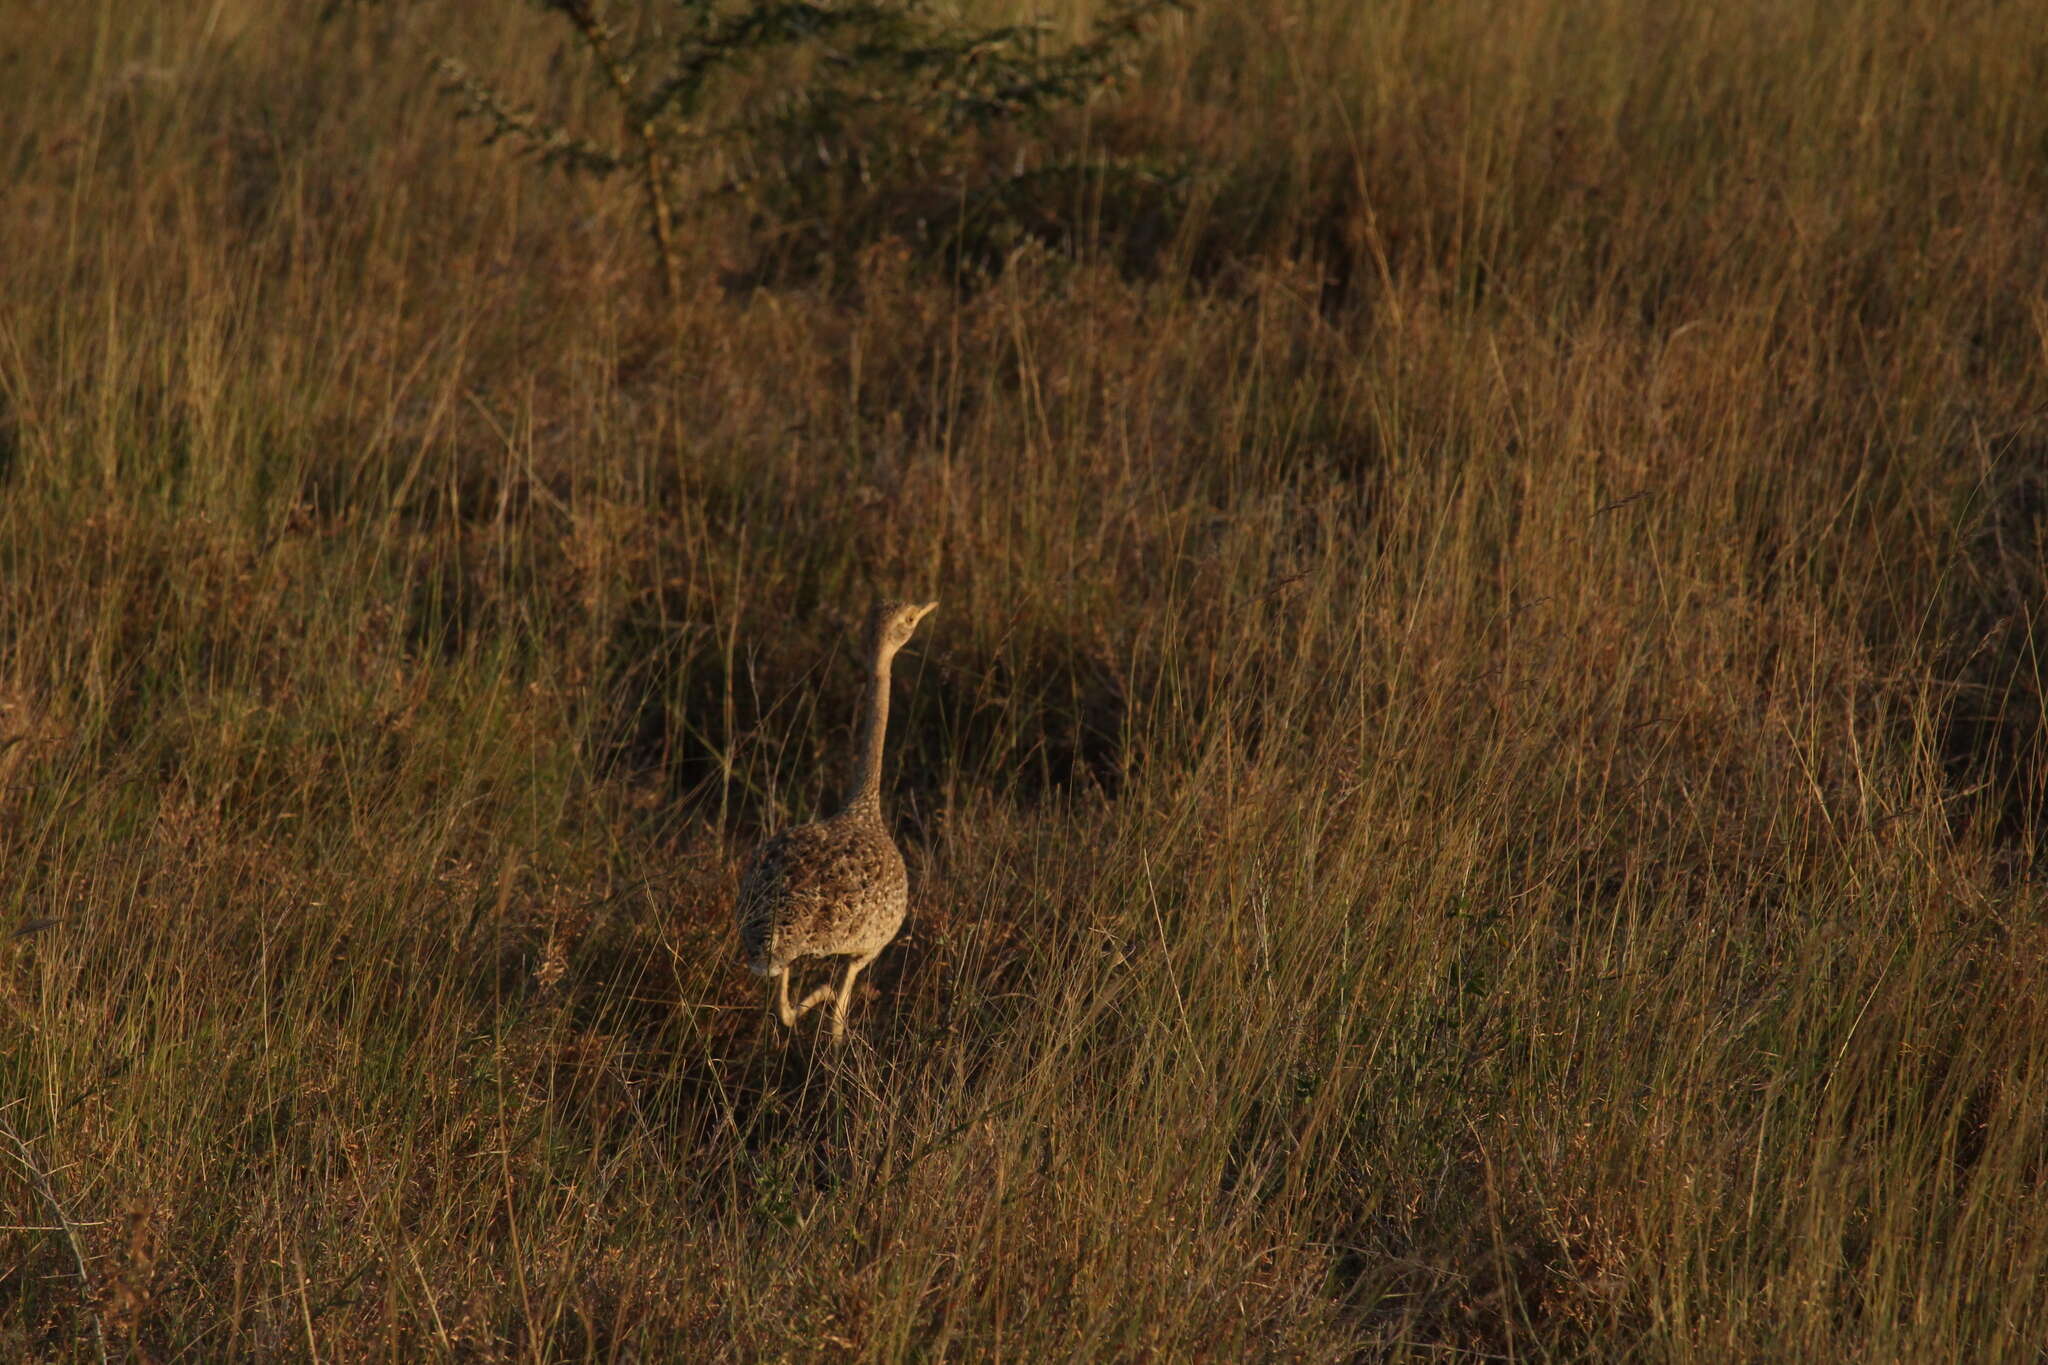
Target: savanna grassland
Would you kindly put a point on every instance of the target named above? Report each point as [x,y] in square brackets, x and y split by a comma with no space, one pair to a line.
[1474,792]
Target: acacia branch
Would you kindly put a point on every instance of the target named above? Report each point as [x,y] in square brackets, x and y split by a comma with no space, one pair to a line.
[653,166]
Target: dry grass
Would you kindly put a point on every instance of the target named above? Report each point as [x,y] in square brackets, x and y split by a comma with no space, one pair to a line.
[1473,794]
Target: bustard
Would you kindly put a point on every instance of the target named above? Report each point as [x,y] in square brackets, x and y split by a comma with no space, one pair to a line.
[834,888]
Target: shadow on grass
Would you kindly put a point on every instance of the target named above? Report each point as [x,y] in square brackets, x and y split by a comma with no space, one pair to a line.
[1027,724]
[1992,738]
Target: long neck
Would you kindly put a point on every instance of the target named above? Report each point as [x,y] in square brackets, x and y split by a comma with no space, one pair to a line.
[864,795]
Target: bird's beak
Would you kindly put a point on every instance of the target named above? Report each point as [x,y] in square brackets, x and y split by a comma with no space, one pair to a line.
[926,610]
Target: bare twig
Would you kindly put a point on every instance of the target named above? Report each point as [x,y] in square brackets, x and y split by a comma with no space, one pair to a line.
[41,1182]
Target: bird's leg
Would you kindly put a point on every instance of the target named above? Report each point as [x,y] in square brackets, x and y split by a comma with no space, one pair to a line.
[853,970]
[781,999]
[816,997]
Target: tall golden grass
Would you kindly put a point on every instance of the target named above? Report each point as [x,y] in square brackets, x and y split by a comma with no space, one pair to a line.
[1474,793]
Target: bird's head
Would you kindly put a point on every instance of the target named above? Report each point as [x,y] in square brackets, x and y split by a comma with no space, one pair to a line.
[892,623]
